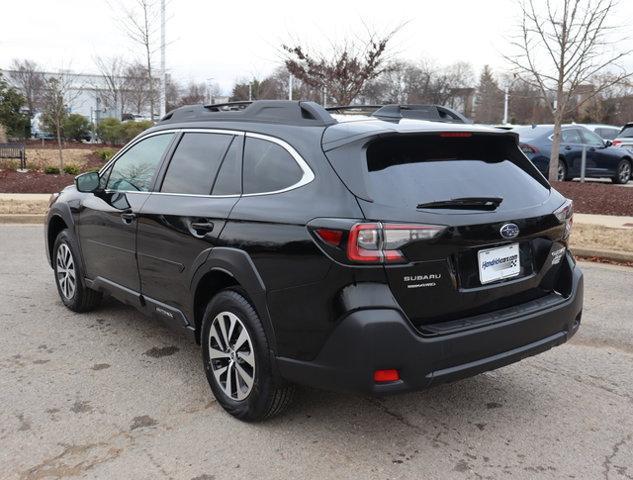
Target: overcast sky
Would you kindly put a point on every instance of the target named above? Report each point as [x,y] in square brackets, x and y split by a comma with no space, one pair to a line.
[227,41]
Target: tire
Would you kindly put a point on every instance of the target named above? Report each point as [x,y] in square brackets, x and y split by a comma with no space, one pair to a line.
[623,172]
[266,396]
[563,174]
[69,276]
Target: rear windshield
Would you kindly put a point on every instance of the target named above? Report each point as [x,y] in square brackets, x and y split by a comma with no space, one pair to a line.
[627,132]
[406,172]
[529,133]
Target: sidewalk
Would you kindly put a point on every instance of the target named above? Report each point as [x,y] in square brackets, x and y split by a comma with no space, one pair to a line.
[610,221]
[30,197]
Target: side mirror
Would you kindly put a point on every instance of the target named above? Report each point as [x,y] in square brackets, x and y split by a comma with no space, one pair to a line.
[87,182]
[608,143]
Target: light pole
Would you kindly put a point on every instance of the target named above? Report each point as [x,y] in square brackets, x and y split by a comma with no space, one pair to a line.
[210,89]
[163,77]
[506,100]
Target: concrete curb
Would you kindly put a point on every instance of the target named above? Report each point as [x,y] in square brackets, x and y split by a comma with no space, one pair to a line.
[613,255]
[27,218]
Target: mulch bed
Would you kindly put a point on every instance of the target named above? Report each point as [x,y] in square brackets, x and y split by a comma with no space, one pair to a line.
[598,198]
[40,182]
[32,182]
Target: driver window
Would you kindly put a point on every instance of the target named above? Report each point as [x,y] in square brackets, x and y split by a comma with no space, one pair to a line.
[592,139]
[134,170]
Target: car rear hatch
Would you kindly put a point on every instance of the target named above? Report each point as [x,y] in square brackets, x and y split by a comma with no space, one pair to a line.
[500,242]
[625,137]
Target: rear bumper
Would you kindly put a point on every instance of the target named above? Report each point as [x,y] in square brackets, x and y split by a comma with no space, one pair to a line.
[380,338]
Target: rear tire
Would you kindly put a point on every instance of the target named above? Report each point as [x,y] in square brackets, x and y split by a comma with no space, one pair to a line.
[69,276]
[237,359]
[623,172]
[562,171]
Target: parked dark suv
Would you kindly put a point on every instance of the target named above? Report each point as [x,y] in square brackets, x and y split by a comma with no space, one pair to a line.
[356,254]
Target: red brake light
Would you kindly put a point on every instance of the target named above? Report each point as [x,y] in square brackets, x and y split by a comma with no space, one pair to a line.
[390,375]
[528,149]
[615,143]
[381,243]
[363,244]
[331,237]
[455,134]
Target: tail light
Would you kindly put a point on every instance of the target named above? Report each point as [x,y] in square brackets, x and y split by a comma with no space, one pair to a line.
[616,143]
[528,149]
[381,243]
[565,215]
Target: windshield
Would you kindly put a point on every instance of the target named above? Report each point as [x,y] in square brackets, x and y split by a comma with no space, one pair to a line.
[529,133]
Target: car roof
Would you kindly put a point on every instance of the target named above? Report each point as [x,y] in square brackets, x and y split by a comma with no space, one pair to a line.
[358,127]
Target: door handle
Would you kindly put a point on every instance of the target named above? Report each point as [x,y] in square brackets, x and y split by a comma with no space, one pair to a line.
[201,228]
[128,217]
[567,147]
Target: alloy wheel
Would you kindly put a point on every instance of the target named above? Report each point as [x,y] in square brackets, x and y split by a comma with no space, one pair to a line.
[231,355]
[561,172]
[65,269]
[625,172]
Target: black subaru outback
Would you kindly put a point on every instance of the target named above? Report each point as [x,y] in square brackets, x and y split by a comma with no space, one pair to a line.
[356,253]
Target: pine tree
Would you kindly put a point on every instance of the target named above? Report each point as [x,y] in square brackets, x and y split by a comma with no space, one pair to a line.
[489,101]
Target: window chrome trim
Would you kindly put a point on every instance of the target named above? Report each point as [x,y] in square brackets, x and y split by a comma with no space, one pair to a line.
[307,177]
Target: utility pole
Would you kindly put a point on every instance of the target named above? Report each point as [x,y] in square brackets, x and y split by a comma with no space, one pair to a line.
[163,77]
[505,105]
[250,91]
[290,86]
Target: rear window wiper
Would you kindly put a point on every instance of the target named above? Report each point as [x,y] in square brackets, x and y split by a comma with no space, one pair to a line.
[465,203]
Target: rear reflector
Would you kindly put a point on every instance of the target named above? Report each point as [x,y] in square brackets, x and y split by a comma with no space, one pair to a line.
[455,134]
[331,237]
[386,376]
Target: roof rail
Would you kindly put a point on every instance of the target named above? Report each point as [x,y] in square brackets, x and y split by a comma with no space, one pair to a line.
[266,111]
[342,108]
[436,113]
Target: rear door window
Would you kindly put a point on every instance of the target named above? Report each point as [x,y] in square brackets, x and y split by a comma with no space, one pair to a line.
[571,135]
[268,167]
[195,163]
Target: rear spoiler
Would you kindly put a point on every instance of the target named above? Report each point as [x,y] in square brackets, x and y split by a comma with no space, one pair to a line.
[433,113]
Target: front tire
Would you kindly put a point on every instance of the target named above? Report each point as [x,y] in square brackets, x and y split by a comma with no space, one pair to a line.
[237,360]
[69,277]
[623,172]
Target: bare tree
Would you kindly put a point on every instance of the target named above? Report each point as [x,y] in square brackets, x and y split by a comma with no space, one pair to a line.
[112,71]
[27,76]
[59,92]
[195,93]
[561,46]
[343,71]
[136,93]
[140,22]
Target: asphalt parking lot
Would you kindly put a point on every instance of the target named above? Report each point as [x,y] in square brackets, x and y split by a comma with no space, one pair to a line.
[113,395]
